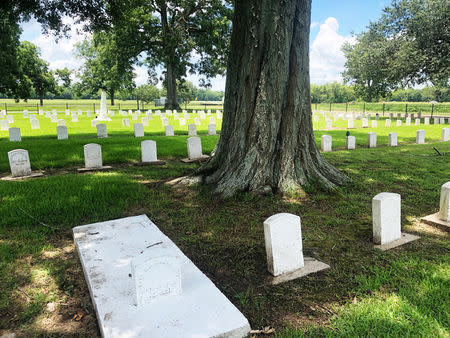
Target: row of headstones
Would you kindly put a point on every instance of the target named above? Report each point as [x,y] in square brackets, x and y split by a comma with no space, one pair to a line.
[19,160]
[283,234]
[327,140]
[387,123]
[102,132]
[359,115]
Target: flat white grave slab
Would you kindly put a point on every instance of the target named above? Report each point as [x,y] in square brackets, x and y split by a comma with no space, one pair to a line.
[107,251]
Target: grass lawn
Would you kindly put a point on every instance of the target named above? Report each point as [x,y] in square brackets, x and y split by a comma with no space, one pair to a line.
[402,292]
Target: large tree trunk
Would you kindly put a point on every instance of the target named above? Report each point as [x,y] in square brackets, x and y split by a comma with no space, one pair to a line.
[267,141]
[171,82]
[111,93]
[41,99]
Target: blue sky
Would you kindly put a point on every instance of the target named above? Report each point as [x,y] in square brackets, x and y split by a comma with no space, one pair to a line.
[332,22]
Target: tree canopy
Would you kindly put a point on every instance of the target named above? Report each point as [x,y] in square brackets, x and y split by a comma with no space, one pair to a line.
[105,67]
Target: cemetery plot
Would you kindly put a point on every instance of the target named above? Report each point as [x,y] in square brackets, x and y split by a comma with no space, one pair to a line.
[141,284]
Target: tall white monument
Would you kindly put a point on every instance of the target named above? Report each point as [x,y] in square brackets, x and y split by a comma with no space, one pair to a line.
[103,113]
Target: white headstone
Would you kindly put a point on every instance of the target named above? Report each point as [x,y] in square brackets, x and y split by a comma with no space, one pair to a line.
[408,121]
[417,122]
[444,205]
[103,108]
[102,131]
[212,129]
[62,133]
[442,120]
[126,122]
[19,163]
[94,123]
[329,124]
[426,120]
[169,130]
[386,215]
[14,134]
[365,123]
[197,121]
[61,122]
[326,143]
[436,120]
[194,147]
[144,121]
[445,134]
[138,130]
[420,137]
[387,123]
[350,143]
[374,123]
[4,125]
[372,140]
[392,139]
[148,151]
[182,121]
[350,124]
[93,155]
[283,239]
[165,121]
[399,123]
[74,118]
[10,118]
[192,130]
[212,120]
[34,124]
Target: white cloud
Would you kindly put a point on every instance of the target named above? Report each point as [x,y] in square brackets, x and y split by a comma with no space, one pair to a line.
[141,75]
[326,58]
[314,24]
[58,54]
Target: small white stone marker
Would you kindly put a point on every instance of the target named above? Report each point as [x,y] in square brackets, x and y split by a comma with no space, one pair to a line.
[426,120]
[284,251]
[444,205]
[417,122]
[102,131]
[399,123]
[93,156]
[149,153]
[19,162]
[374,123]
[350,143]
[393,139]
[386,216]
[420,137]
[126,122]
[326,143]
[166,309]
[138,130]
[182,121]
[387,123]
[212,129]
[194,148]
[61,122]
[350,124]
[169,130]
[365,123]
[329,124]
[442,120]
[436,120]
[10,118]
[165,121]
[197,121]
[144,121]
[372,140]
[34,124]
[4,125]
[445,134]
[14,134]
[74,118]
[62,133]
[283,238]
[408,121]
[94,123]
[192,130]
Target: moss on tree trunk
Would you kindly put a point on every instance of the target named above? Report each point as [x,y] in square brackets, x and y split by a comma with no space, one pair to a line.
[267,140]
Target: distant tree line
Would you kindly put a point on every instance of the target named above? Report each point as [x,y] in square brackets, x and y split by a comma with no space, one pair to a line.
[339,93]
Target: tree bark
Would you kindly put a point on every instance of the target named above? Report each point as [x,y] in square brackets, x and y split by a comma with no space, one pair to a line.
[111,93]
[267,139]
[41,99]
[171,82]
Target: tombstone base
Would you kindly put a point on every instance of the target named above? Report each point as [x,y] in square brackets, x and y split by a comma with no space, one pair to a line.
[103,168]
[435,221]
[149,163]
[193,160]
[406,238]
[33,175]
[312,265]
